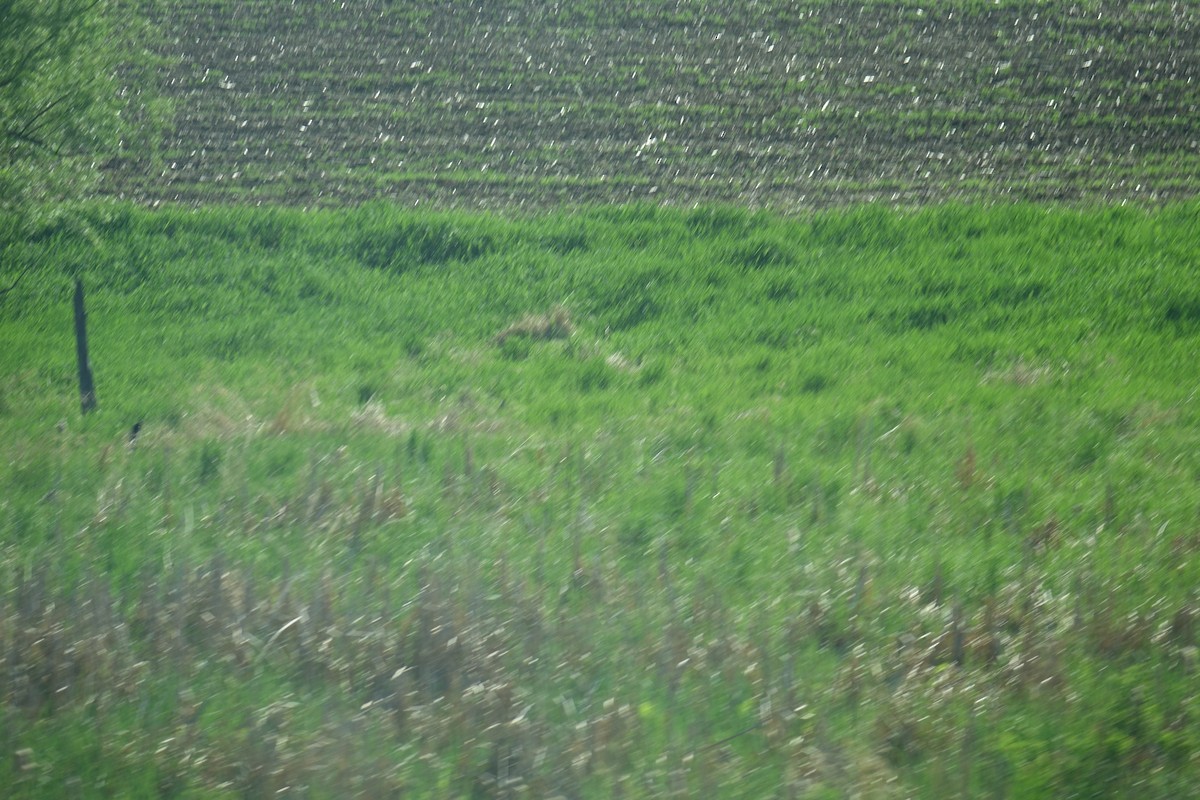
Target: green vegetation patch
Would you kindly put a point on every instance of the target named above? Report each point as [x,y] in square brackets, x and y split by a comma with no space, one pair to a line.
[630,500]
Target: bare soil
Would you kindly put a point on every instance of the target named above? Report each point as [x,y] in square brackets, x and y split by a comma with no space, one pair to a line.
[779,104]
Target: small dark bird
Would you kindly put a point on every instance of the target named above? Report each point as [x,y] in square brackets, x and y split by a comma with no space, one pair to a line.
[134,431]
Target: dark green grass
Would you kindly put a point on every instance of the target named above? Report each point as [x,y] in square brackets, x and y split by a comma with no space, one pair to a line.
[817,433]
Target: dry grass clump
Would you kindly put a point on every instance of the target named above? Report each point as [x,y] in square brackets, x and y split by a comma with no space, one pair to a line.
[555,324]
[373,416]
[446,676]
[1019,373]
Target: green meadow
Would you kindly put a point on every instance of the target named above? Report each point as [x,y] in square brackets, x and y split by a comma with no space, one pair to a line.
[628,501]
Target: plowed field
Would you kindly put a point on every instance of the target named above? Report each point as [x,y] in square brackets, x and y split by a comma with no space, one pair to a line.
[774,103]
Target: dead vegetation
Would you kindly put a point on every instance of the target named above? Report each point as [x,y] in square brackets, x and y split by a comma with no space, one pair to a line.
[465,676]
[1020,373]
[554,324]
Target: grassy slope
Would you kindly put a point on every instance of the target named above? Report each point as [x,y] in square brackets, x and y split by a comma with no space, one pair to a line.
[780,450]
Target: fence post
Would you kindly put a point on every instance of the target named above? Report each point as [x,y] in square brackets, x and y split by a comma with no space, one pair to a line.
[87,389]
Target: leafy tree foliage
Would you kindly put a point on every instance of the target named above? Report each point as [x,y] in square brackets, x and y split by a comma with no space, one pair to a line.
[61,114]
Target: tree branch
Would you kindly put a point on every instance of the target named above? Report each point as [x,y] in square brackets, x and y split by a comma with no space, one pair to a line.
[22,136]
[16,280]
[21,66]
[31,126]
[28,133]
[57,29]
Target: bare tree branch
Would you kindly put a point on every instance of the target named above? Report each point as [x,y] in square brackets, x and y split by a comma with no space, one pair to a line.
[16,280]
[28,132]
[21,136]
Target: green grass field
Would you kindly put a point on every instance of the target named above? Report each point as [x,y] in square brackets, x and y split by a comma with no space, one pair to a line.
[621,502]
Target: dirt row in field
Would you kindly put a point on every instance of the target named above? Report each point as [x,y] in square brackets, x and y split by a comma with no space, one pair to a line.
[765,103]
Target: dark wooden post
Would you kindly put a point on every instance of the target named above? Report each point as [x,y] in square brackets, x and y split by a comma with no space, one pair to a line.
[87,390]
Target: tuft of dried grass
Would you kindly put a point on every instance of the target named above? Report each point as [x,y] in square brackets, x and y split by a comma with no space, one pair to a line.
[555,324]
[372,416]
[1019,373]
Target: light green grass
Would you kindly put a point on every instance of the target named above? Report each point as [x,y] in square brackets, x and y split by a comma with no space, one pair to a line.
[743,498]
